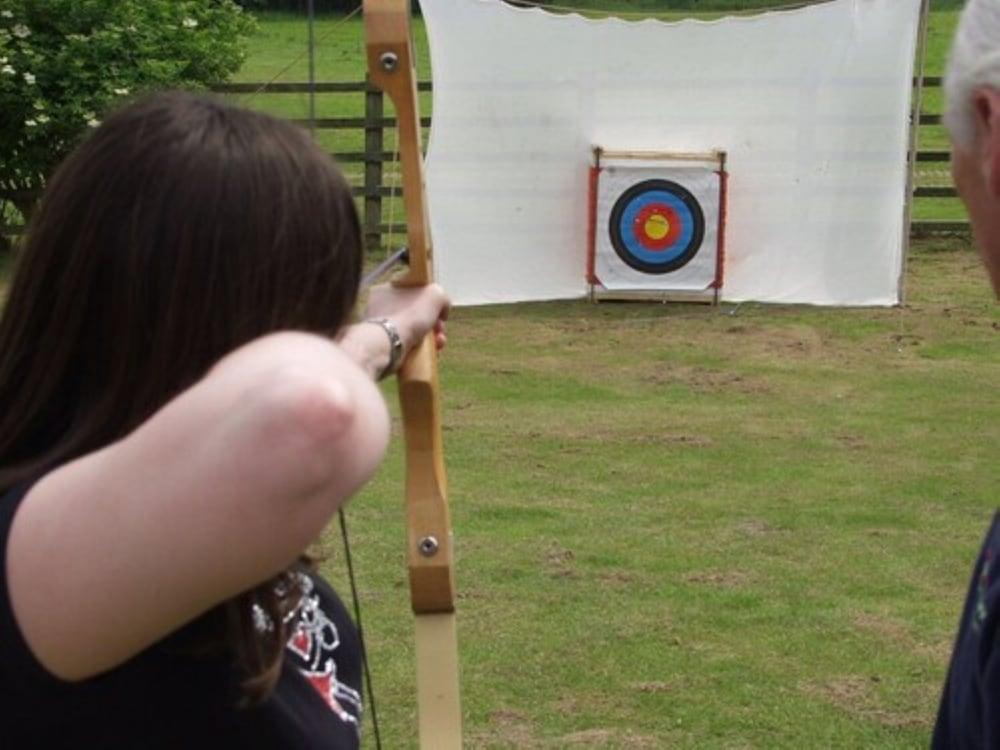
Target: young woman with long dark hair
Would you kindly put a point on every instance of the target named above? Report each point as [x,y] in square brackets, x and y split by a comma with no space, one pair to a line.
[183,406]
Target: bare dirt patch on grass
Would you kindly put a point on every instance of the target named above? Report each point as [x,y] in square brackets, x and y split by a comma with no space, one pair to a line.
[702,380]
[727,579]
[622,431]
[855,695]
[852,442]
[655,687]
[887,629]
[507,729]
[900,634]
[939,652]
[796,340]
[559,562]
[617,578]
[755,527]
[608,738]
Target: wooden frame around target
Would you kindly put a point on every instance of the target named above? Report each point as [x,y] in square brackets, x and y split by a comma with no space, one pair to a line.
[657,226]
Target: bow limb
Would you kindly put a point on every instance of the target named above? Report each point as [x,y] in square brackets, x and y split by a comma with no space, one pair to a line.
[429,539]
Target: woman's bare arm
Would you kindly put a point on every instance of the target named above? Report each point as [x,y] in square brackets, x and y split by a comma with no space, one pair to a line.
[219,490]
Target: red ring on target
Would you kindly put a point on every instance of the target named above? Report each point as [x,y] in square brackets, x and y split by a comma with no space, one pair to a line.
[668,214]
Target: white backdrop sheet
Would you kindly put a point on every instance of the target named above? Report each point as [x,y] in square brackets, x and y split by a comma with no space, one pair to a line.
[811,106]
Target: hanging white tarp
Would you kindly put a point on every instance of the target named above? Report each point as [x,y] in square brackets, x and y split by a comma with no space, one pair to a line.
[811,107]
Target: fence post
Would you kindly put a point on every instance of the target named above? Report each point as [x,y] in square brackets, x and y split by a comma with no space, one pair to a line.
[373,166]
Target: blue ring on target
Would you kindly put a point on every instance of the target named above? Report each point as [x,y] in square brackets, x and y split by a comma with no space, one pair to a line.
[622,226]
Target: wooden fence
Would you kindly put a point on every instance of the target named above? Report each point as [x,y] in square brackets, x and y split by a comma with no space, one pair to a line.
[372,188]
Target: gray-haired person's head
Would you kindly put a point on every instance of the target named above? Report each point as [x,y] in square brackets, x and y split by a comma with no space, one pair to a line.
[974,63]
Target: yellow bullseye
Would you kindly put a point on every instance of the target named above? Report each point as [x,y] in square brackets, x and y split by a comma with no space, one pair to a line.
[657,227]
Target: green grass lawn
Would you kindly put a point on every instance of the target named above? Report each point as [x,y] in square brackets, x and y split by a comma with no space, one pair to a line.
[685,526]
[700,527]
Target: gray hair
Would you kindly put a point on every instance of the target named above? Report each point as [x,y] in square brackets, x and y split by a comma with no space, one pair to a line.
[974,63]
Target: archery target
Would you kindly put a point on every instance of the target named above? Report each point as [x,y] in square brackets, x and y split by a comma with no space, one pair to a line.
[656,226]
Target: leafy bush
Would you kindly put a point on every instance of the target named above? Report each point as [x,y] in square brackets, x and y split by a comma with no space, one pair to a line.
[64,62]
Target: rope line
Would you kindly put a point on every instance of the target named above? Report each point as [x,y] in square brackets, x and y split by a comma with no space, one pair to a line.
[549,7]
[247,98]
[393,180]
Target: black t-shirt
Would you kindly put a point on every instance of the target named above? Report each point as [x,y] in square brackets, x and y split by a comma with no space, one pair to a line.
[969,715]
[168,697]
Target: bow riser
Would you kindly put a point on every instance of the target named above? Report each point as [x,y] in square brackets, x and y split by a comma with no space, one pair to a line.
[432,585]
[390,62]
[429,542]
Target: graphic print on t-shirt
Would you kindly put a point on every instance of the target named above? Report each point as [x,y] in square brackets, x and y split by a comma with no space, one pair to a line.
[314,638]
[313,641]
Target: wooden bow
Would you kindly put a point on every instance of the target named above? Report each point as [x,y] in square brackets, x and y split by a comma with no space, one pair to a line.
[391,67]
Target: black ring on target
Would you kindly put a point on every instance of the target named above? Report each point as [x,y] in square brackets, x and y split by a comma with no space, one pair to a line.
[661,254]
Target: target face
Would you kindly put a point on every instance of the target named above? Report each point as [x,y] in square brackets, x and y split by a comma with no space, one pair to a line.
[656,226]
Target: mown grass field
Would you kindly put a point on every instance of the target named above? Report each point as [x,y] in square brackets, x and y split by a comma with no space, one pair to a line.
[692,527]
[695,527]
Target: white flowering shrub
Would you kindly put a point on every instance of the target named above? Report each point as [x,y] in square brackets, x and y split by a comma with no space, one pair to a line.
[64,62]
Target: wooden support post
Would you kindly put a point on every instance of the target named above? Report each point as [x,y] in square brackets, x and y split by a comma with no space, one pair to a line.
[374,108]
[916,119]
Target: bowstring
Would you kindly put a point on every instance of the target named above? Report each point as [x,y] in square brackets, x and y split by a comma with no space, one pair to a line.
[393,178]
[247,98]
[356,600]
[394,168]
[355,597]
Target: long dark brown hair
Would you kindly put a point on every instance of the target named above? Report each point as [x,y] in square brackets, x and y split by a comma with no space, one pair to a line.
[180,229]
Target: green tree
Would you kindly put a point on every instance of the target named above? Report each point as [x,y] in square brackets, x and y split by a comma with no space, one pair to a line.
[65,62]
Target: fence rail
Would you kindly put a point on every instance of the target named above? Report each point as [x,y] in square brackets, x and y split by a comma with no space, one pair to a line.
[372,189]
